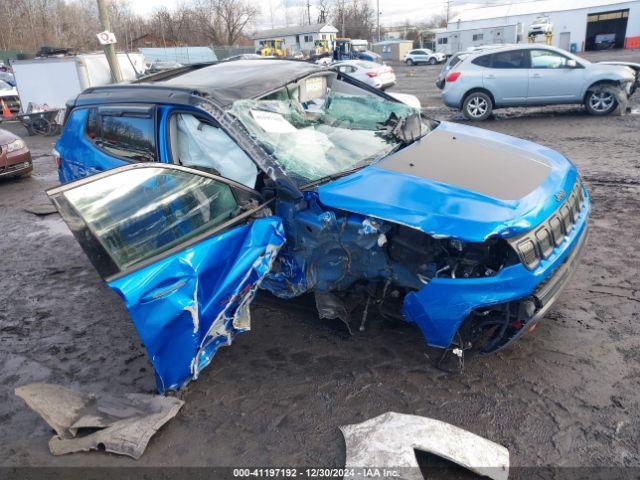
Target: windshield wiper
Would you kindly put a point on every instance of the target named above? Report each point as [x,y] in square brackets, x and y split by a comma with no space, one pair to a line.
[335,176]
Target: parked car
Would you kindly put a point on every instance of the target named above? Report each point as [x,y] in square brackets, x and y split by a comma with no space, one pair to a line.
[8,78]
[163,66]
[245,56]
[374,74]
[456,58]
[9,95]
[605,41]
[190,193]
[15,158]
[533,74]
[541,26]
[360,51]
[424,55]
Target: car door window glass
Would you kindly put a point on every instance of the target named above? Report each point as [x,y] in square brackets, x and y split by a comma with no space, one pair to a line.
[547,59]
[510,59]
[482,61]
[201,145]
[140,213]
[129,137]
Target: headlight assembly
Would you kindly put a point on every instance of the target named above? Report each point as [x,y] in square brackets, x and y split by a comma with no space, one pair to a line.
[15,145]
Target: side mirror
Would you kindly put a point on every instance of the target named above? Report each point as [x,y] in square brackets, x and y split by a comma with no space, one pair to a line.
[571,63]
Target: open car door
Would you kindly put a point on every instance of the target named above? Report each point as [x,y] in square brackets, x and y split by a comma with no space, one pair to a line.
[185,249]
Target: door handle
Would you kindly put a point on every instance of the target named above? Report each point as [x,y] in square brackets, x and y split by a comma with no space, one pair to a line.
[163,290]
[491,77]
[537,75]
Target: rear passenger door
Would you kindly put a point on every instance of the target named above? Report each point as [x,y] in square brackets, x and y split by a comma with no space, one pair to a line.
[506,77]
[99,138]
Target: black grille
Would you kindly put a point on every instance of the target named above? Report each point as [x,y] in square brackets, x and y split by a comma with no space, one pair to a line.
[539,243]
[543,236]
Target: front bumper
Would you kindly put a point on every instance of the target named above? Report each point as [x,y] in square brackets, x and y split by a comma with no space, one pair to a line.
[15,163]
[440,307]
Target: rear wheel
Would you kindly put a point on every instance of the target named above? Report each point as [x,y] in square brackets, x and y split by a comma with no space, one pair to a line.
[409,62]
[600,102]
[432,61]
[477,106]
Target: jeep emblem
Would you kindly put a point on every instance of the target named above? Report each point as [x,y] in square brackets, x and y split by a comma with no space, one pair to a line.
[560,195]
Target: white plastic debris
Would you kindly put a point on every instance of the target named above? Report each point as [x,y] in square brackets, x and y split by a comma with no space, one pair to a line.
[387,443]
[119,424]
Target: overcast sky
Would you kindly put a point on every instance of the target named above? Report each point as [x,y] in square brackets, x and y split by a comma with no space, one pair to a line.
[392,11]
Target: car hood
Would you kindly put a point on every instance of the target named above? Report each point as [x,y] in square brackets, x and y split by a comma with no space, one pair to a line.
[7,137]
[461,182]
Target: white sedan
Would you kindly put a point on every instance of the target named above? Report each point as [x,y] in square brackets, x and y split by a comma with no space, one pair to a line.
[374,74]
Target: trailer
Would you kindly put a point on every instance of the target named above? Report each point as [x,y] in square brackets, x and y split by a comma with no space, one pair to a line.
[450,42]
[48,82]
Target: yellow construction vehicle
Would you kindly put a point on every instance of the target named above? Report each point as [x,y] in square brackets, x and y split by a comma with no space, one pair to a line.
[321,48]
[272,48]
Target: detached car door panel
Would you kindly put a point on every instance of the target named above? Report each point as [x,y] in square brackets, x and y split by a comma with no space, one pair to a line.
[184,249]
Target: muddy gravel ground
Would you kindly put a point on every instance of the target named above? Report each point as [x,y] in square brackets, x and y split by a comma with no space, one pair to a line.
[564,395]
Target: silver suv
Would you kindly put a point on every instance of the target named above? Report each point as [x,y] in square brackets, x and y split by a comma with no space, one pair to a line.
[525,75]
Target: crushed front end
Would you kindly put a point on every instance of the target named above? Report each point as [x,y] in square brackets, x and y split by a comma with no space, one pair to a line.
[491,312]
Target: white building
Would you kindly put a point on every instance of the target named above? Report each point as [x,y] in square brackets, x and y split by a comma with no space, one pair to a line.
[578,25]
[298,38]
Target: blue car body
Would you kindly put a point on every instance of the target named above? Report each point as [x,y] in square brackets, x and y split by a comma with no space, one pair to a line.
[338,234]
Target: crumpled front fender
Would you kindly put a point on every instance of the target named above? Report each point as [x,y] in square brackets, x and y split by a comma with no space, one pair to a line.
[440,307]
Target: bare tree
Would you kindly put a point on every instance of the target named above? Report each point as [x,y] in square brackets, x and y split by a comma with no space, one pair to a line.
[323,11]
[223,22]
[353,18]
[30,24]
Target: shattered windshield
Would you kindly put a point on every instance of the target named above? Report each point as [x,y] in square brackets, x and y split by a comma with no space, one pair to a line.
[326,127]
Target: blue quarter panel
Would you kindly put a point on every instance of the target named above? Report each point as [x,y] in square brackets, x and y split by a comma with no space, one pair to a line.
[184,306]
[79,157]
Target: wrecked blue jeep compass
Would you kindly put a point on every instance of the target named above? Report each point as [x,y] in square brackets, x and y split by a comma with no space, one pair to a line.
[193,188]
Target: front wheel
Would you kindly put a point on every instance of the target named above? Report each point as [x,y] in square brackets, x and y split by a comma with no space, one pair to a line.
[477,106]
[600,102]
[432,61]
[409,62]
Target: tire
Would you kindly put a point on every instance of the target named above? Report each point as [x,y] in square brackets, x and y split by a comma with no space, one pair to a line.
[477,106]
[600,102]
[432,61]
[410,62]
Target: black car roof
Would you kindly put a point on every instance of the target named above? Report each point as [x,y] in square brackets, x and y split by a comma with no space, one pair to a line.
[223,82]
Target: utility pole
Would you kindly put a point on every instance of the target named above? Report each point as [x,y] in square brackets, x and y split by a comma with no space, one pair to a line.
[378,17]
[309,11]
[448,5]
[109,50]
